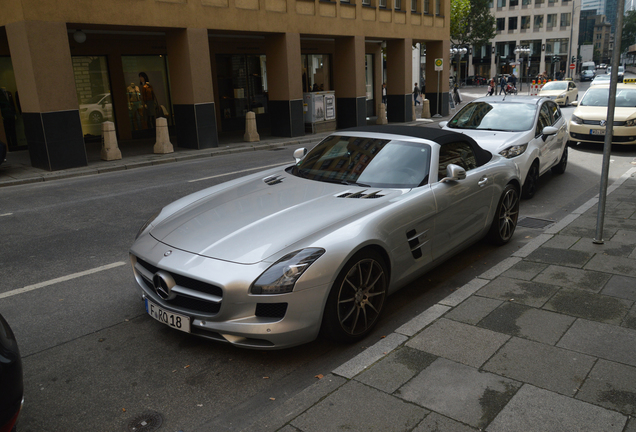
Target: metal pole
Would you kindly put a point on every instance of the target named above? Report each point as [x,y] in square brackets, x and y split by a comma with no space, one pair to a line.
[571,34]
[609,127]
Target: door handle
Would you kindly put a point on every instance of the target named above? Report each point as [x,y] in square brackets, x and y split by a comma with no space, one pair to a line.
[483,181]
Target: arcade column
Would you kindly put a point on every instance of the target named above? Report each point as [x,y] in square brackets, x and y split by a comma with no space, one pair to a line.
[437,50]
[191,85]
[44,78]
[349,82]
[285,84]
[399,87]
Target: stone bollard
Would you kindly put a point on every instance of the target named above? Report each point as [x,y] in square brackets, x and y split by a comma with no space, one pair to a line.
[426,109]
[251,133]
[110,149]
[382,115]
[163,144]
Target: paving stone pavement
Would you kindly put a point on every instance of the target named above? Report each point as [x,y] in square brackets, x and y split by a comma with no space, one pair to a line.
[544,341]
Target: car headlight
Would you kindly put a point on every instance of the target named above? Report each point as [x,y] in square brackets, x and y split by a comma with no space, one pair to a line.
[561,96]
[282,275]
[513,151]
[147,224]
[577,120]
[83,109]
[630,122]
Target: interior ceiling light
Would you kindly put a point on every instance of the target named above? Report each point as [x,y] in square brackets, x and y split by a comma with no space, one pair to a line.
[79,36]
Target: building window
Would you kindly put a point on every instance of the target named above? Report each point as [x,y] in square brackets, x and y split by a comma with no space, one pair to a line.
[538,22]
[525,22]
[438,7]
[366,2]
[526,2]
[501,24]
[552,20]
[565,19]
[512,23]
[501,3]
[551,2]
[426,6]
[382,4]
[413,5]
[397,4]
[514,3]
[538,3]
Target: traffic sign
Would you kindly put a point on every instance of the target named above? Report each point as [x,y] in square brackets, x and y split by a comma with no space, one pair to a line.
[439,64]
[572,66]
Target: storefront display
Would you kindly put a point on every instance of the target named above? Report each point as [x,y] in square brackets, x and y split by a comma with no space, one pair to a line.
[12,125]
[316,72]
[92,84]
[242,81]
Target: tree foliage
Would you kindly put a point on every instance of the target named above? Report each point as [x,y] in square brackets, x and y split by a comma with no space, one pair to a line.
[471,22]
[629,30]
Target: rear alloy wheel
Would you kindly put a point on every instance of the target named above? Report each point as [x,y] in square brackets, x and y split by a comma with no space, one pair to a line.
[505,220]
[563,163]
[356,298]
[530,186]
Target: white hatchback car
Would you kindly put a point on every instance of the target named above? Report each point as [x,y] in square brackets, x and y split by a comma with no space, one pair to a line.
[527,129]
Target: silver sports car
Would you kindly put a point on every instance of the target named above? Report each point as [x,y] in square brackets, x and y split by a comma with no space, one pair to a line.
[273,259]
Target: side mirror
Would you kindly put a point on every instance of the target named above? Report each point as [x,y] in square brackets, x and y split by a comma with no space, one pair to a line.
[575,103]
[299,154]
[442,124]
[547,131]
[454,173]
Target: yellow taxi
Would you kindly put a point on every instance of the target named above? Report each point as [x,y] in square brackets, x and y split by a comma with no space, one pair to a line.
[587,124]
[561,92]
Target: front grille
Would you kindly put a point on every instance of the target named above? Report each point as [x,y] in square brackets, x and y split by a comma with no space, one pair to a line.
[598,122]
[190,301]
[601,138]
[271,310]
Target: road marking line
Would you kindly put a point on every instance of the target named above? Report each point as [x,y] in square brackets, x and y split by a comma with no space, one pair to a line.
[60,279]
[238,172]
[6,214]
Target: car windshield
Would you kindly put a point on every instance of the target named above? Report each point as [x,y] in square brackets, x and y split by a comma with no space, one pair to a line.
[555,85]
[509,117]
[602,78]
[600,97]
[367,162]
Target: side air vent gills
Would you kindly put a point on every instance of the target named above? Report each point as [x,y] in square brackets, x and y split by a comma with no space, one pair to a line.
[361,195]
[272,180]
[416,241]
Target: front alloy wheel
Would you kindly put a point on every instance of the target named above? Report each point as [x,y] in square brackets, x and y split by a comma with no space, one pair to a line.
[356,298]
[505,220]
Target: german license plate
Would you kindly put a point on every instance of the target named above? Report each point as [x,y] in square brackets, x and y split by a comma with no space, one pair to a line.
[597,131]
[173,320]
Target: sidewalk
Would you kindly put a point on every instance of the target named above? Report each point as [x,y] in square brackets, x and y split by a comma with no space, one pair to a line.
[544,341]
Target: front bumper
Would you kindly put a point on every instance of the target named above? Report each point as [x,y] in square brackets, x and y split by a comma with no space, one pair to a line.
[584,133]
[216,297]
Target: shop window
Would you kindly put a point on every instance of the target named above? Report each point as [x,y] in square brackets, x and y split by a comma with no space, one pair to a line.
[147,93]
[12,126]
[92,85]
[316,72]
[242,83]
[369,82]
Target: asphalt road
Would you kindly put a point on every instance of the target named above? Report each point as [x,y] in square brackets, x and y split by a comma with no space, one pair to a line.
[93,360]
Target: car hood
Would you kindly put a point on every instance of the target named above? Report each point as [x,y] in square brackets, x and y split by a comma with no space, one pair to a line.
[495,141]
[548,93]
[253,220]
[600,113]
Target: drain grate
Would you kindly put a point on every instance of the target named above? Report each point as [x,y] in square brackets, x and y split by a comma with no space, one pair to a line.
[529,222]
[146,422]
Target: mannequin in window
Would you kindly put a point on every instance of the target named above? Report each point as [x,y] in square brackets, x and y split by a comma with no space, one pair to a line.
[135,105]
[149,99]
[7,109]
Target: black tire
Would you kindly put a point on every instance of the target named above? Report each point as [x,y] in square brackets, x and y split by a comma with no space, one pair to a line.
[563,162]
[567,101]
[532,180]
[96,117]
[357,298]
[506,216]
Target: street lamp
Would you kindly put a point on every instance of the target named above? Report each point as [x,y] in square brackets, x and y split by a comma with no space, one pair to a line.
[519,50]
[458,52]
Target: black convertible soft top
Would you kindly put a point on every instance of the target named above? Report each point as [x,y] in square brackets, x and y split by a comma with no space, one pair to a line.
[439,136]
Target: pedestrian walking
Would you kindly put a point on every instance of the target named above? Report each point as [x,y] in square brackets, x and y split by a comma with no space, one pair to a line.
[502,85]
[416,94]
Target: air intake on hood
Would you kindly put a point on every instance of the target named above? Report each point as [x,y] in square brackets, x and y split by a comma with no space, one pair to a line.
[362,195]
[272,180]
